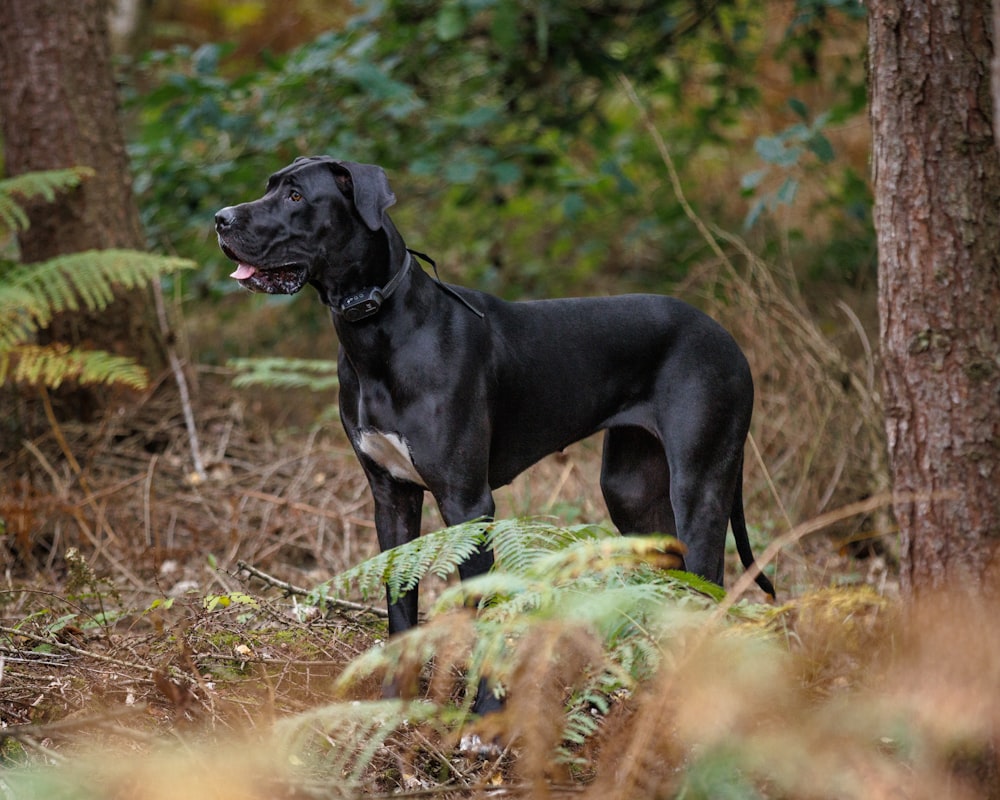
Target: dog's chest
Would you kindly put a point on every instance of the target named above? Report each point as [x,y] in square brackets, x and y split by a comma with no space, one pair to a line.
[391,452]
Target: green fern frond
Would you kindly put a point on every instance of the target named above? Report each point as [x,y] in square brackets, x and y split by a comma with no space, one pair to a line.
[51,365]
[509,595]
[342,739]
[569,563]
[44,184]
[317,375]
[401,568]
[698,584]
[625,615]
[519,543]
[30,295]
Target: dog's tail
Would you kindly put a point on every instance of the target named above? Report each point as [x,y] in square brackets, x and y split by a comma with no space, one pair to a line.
[739,524]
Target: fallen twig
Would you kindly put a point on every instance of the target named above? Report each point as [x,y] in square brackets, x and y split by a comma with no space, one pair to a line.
[69,648]
[298,591]
[182,387]
[306,508]
[34,732]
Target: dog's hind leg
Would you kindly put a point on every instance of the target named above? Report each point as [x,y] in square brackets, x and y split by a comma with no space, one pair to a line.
[706,471]
[692,500]
[635,481]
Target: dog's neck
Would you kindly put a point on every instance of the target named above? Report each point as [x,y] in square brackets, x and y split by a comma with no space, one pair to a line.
[369,278]
[368,302]
[360,295]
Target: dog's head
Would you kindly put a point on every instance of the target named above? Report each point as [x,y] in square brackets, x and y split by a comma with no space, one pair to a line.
[307,219]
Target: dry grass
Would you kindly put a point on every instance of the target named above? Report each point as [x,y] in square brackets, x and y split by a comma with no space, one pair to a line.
[833,694]
[837,695]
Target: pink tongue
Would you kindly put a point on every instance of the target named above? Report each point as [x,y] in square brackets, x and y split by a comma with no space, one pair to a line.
[243,271]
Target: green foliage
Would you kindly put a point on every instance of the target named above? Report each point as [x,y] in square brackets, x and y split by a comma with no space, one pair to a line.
[45,184]
[401,568]
[501,117]
[214,601]
[786,151]
[316,375]
[32,294]
[518,546]
[585,577]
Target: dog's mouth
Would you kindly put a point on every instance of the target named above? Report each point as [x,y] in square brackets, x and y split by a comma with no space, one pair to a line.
[285,279]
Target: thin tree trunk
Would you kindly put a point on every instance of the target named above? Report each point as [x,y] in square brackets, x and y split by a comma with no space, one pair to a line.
[59,108]
[937,198]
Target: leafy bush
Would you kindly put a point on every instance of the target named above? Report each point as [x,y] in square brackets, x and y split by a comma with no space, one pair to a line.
[599,594]
[499,118]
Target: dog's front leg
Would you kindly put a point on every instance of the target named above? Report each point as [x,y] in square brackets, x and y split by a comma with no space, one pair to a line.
[457,508]
[398,507]
[454,510]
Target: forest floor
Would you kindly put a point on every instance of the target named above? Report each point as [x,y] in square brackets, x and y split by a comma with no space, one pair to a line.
[141,599]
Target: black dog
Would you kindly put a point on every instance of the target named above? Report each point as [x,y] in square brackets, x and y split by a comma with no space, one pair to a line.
[456,392]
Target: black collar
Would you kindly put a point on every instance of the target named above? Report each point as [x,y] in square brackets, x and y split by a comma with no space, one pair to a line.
[367,302]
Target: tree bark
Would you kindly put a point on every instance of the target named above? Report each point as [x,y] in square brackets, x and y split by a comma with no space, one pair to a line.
[996,71]
[937,194]
[59,108]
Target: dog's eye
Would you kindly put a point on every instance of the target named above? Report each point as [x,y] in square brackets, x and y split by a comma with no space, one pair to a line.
[294,196]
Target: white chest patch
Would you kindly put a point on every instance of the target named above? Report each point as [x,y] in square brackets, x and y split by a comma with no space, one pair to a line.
[391,452]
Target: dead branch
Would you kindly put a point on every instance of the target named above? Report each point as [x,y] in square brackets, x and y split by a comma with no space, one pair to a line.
[298,591]
[69,648]
[306,508]
[39,732]
[182,387]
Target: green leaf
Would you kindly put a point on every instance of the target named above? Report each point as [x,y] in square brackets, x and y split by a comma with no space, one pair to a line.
[504,29]
[506,172]
[60,623]
[820,146]
[786,194]
[770,148]
[800,108]
[573,205]
[751,180]
[463,170]
[451,22]
[756,209]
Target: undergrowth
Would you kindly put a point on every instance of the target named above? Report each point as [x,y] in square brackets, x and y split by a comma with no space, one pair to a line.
[622,679]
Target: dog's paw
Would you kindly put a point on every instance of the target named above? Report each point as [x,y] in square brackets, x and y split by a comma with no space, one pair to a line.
[472,746]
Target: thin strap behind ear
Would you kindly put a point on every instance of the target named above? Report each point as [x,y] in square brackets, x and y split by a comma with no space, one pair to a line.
[444,286]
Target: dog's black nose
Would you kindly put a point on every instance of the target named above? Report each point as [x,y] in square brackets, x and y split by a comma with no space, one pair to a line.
[225,218]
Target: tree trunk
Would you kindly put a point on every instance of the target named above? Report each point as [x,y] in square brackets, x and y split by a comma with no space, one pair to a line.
[937,196]
[59,108]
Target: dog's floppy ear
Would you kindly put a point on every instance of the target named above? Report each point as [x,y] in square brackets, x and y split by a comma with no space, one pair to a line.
[369,186]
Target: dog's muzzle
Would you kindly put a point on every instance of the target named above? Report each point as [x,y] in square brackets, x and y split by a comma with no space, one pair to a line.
[278,279]
[270,280]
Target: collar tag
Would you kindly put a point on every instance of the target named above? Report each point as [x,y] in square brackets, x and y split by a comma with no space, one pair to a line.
[367,302]
[362,305]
